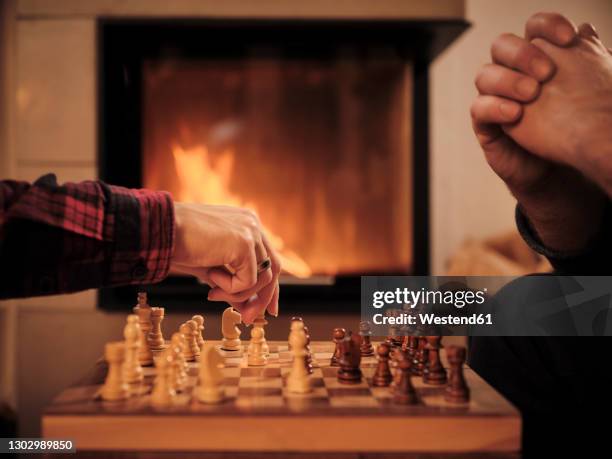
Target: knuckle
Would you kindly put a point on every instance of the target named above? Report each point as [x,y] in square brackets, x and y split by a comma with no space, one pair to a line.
[500,42]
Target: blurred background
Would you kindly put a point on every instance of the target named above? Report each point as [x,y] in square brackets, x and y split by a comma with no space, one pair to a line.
[49,122]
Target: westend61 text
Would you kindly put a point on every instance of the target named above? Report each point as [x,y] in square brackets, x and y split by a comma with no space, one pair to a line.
[432,319]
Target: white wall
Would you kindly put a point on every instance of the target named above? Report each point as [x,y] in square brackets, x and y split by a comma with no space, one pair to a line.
[468,200]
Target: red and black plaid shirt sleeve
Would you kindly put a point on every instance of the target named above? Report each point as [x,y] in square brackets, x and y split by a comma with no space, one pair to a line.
[63,238]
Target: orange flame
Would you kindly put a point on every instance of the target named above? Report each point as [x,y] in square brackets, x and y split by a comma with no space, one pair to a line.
[207,184]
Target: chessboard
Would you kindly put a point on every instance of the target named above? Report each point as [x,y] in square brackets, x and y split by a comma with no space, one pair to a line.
[260,415]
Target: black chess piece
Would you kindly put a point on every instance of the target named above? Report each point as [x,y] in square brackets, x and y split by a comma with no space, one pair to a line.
[457,390]
[382,376]
[403,390]
[339,334]
[434,374]
[418,362]
[349,372]
[366,343]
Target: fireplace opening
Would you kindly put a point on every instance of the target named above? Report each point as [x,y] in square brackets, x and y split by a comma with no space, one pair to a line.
[318,126]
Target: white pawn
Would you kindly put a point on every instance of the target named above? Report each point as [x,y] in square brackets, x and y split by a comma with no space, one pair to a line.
[187,334]
[192,340]
[198,319]
[260,322]
[114,387]
[298,380]
[257,357]
[156,338]
[231,333]
[163,393]
[179,375]
[210,384]
[132,371]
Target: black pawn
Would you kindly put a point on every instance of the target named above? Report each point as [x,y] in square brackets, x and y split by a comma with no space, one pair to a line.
[382,377]
[403,391]
[435,374]
[349,372]
[339,334]
[457,390]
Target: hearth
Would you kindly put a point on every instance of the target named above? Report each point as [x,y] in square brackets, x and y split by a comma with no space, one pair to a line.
[319,126]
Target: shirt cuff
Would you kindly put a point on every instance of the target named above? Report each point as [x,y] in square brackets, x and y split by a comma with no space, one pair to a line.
[140,224]
[592,260]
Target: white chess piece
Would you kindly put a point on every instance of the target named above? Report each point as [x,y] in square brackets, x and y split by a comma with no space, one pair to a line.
[256,357]
[198,319]
[298,380]
[192,340]
[231,333]
[145,356]
[156,338]
[132,371]
[260,321]
[163,393]
[210,384]
[187,334]
[179,375]
[114,387]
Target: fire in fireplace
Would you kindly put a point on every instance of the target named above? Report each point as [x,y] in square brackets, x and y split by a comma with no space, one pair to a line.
[319,126]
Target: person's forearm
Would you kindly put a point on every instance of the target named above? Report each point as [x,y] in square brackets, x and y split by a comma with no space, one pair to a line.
[60,239]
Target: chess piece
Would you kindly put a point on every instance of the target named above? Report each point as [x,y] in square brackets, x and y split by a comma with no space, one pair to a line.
[403,391]
[434,374]
[366,344]
[308,359]
[260,321]
[339,334]
[256,357]
[142,303]
[187,337]
[143,311]
[231,333]
[298,380]
[457,390]
[178,374]
[114,387]
[210,382]
[396,356]
[132,371]
[163,393]
[418,362]
[413,342]
[349,372]
[192,339]
[199,320]
[156,338]
[382,377]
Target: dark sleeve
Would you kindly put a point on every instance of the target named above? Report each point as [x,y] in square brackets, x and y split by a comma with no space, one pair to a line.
[64,238]
[594,260]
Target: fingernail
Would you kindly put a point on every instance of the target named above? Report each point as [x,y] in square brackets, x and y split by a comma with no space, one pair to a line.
[541,68]
[509,110]
[564,34]
[526,87]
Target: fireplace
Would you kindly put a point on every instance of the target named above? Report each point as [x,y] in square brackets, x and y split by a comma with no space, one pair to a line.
[318,126]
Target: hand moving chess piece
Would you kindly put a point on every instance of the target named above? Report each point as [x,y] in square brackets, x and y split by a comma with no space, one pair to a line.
[132,371]
[210,382]
[339,334]
[186,332]
[231,333]
[298,380]
[114,387]
[156,338]
[403,391]
[457,390]
[434,374]
[382,377]
[256,356]
[349,372]
[143,311]
[366,345]
[163,393]
[199,320]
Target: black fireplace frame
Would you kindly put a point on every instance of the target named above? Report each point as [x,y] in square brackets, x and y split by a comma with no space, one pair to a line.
[123,43]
